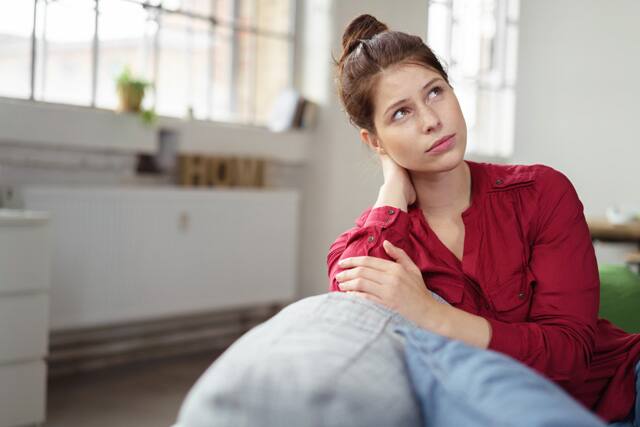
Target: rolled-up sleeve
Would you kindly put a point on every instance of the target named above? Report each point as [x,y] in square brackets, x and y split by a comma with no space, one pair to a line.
[373,227]
[559,338]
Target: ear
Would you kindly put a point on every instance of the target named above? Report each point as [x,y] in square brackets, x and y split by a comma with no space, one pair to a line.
[371,140]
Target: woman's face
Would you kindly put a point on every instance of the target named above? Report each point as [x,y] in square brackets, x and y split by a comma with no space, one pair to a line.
[414,107]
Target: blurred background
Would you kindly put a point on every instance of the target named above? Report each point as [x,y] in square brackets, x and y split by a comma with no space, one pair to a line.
[173,172]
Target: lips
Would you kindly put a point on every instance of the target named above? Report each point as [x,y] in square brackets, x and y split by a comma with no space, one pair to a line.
[440,141]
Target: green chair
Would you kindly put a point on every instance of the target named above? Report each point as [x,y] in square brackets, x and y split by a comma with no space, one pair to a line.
[620,296]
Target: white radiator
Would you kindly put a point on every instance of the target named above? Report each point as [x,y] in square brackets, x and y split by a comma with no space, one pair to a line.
[133,254]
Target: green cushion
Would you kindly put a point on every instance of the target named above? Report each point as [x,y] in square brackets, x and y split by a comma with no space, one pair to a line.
[620,296]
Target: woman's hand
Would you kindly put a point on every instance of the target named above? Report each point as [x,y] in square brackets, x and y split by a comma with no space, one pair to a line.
[398,285]
[397,181]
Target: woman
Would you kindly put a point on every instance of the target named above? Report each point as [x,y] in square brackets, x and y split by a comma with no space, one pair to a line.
[506,245]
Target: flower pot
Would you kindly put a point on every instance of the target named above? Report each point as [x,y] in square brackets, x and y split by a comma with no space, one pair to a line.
[130,97]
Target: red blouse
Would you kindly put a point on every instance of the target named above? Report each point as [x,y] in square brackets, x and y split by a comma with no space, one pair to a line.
[529,268]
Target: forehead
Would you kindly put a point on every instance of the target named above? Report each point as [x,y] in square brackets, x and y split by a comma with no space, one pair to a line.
[400,81]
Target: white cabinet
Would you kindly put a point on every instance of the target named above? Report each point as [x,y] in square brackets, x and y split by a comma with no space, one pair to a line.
[24,316]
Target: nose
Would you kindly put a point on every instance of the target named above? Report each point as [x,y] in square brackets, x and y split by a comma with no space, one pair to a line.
[429,120]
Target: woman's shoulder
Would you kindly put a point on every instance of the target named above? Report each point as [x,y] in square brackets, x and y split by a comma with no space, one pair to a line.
[502,175]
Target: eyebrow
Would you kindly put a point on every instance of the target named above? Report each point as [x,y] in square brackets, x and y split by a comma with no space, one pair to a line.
[395,104]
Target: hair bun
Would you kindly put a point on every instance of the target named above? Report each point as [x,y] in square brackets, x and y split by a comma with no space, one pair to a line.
[363,27]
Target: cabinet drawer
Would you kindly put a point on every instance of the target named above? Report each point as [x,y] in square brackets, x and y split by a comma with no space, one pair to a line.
[24,256]
[22,393]
[24,326]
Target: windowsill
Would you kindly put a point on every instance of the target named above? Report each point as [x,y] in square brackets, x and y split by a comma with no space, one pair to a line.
[81,127]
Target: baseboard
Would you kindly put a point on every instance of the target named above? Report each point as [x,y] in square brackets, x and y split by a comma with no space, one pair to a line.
[81,350]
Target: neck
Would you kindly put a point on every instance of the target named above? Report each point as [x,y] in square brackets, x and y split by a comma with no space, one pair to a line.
[443,193]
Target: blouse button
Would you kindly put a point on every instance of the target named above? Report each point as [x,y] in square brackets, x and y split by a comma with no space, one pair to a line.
[498,181]
[521,295]
[391,211]
[370,239]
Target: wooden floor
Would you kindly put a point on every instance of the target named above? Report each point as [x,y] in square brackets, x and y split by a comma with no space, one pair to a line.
[139,395]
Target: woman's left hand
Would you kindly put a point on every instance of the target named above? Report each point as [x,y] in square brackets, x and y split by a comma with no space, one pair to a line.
[398,285]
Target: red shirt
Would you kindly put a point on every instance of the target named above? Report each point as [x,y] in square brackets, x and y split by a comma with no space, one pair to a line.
[529,268]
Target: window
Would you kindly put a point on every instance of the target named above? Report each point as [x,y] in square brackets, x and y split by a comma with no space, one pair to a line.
[478,41]
[210,59]
[16,29]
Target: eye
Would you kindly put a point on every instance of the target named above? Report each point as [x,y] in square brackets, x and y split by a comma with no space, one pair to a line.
[436,89]
[396,116]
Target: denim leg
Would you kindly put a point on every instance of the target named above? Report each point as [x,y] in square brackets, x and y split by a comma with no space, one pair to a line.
[634,418]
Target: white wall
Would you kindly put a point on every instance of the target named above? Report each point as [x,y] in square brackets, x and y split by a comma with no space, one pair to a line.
[341,178]
[578,98]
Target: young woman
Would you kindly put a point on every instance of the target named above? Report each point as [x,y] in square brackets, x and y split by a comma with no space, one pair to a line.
[506,245]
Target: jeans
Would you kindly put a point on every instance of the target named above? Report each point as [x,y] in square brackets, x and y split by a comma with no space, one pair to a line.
[633,420]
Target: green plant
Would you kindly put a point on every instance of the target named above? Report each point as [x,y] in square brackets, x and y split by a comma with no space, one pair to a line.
[148,116]
[131,91]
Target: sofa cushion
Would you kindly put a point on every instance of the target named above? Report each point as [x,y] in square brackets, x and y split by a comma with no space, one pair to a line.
[326,360]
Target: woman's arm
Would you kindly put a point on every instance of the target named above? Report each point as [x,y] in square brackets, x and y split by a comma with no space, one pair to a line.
[398,284]
[559,338]
[458,324]
[386,220]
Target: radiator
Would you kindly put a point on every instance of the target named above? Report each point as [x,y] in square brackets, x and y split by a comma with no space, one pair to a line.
[125,255]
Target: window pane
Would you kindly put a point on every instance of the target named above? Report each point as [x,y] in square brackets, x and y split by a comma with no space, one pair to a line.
[200,7]
[273,61]
[467,46]
[511,55]
[439,30]
[172,4]
[246,13]
[244,85]
[183,66]
[65,31]
[126,32]
[222,74]
[16,25]
[513,9]
[274,15]
[223,10]
[201,68]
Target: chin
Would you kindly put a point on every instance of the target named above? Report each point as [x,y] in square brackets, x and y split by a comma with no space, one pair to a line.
[443,163]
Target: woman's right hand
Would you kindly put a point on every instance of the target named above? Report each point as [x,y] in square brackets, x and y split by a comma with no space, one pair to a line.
[397,189]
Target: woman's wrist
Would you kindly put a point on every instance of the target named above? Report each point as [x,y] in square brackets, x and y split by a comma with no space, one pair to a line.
[458,324]
[436,319]
[388,196]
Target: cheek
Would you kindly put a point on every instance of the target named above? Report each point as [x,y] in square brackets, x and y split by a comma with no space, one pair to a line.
[455,112]
[401,142]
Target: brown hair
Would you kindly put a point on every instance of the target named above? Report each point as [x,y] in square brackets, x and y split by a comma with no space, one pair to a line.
[369,47]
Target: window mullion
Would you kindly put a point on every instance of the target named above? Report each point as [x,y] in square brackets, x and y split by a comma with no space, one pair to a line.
[156,58]
[32,82]
[94,55]
[253,72]
[45,51]
[292,51]
[210,62]
[233,98]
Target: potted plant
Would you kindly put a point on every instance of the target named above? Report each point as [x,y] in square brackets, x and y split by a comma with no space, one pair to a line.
[131,91]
